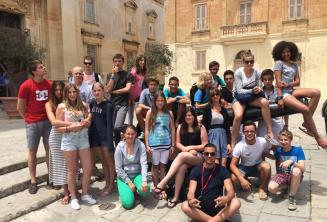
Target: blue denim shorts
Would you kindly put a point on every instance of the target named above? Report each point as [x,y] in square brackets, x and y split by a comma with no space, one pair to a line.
[74,141]
[249,171]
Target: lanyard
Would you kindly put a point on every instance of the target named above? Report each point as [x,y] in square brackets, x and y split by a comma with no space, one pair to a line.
[204,185]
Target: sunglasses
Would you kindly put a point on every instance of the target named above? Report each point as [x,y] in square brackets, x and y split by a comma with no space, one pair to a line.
[249,61]
[216,94]
[88,63]
[209,154]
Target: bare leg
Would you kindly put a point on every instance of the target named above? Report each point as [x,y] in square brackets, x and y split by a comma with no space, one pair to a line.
[238,115]
[46,148]
[313,94]
[85,157]
[179,180]
[71,160]
[182,158]
[295,180]
[293,103]
[162,170]
[228,211]
[31,157]
[265,172]
[155,169]
[194,213]
[274,187]
[265,111]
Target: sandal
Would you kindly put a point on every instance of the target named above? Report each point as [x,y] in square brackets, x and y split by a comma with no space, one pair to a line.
[272,141]
[172,204]
[263,195]
[159,193]
[65,200]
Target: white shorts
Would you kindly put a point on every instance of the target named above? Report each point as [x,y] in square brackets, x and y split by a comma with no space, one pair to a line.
[160,156]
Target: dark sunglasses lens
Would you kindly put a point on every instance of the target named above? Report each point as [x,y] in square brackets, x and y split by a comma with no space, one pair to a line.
[209,154]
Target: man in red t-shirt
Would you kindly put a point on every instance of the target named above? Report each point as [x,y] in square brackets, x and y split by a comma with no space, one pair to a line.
[32,96]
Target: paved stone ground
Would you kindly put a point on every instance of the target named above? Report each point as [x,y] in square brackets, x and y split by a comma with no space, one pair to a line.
[311,198]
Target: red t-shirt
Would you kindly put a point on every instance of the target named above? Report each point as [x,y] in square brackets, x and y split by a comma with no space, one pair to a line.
[36,95]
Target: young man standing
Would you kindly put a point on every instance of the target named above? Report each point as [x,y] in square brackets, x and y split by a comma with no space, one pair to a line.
[90,77]
[217,81]
[176,99]
[227,91]
[119,83]
[32,96]
[205,199]
[145,102]
[250,151]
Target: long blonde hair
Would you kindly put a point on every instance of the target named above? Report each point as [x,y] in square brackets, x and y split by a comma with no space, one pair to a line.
[78,106]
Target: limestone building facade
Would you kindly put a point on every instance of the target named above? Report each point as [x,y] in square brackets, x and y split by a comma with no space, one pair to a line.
[71,29]
[199,31]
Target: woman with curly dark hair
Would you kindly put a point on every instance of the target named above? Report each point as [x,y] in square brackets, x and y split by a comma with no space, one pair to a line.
[287,76]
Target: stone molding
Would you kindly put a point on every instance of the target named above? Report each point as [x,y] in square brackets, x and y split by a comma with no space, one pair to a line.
[131,4]
[15,6]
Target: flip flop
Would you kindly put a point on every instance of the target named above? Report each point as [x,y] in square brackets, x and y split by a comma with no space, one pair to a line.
[303,129]
[272,141]
[172,204]
[263,196]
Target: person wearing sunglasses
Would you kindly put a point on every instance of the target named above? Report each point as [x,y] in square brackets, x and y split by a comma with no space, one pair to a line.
[248,91]
[206,199]
[90,76]
[250,152]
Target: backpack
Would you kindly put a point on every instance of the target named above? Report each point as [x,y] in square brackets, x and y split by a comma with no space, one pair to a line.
[193,90]
[96,77]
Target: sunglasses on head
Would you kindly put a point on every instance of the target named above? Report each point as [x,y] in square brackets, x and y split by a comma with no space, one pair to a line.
[210,154]
[88,63]
[249,61]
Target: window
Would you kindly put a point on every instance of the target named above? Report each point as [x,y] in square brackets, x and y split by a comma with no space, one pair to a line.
[151,31]
[152,16]
[201,17]
[200,60]
[90,11]
[295,9]
[91,50]
[245,12]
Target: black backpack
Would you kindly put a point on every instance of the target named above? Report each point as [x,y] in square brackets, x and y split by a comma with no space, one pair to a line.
[193,90]
[96,76]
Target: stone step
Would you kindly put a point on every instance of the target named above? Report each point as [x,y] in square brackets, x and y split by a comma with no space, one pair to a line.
[17,166]
[19,180]
[22,203]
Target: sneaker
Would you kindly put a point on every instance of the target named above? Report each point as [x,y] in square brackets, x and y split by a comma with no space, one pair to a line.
[272,141]
[291,203]
[74,204]
[88,199]
[141,136]
[33,188]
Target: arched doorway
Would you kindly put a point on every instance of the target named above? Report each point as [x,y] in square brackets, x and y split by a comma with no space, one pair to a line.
[238,60]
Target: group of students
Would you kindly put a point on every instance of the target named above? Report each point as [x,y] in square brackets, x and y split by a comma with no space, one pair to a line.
[88,113]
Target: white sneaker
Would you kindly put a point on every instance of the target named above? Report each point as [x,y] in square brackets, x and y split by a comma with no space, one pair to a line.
[88,199]
[74,204]
[141,136]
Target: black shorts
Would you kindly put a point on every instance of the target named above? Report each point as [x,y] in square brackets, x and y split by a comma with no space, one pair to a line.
[208,207]
[96,141]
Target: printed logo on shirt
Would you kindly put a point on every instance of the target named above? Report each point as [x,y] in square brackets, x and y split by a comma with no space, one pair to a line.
[42,95]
